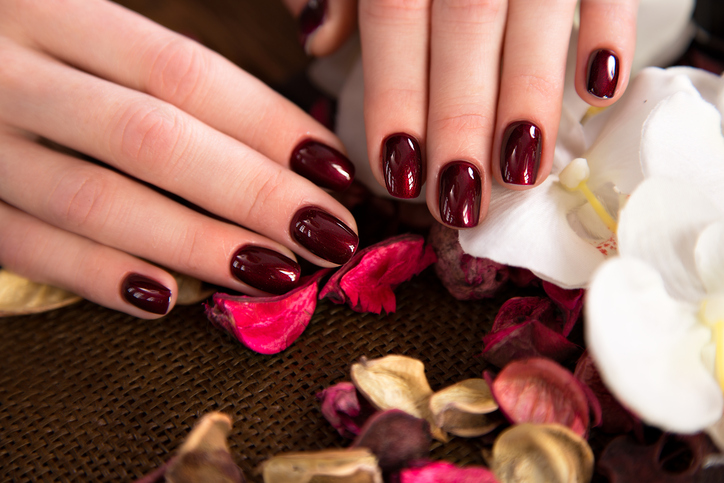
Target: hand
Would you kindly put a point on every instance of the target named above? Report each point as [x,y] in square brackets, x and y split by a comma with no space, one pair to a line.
[458,92]
[161,115]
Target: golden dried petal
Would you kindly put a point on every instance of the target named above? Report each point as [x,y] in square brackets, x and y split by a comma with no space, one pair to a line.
[549,453]
[209,434]
[397,382]
[357,465]
[463,409]
[191,290]
[20,296]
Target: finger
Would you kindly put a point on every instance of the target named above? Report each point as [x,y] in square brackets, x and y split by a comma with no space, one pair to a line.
[323,25]
[165,147]
[394,38]
[112,210]
[531,90]
[108,277]
[141,55]
[606,44]
[465,61]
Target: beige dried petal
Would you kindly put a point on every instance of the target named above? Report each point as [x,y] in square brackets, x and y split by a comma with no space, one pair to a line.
[356,465]
[209,434]
[549,453]
[191,290]
[397,382]
[463,409]
[20,296]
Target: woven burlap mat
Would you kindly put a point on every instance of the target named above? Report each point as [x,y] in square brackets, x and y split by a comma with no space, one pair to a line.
[88,394]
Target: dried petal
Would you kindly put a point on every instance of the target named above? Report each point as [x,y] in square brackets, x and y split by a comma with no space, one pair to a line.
[541,391]
[396,382]
[357,465]
[367,282]
[444,472]
[191,290]
[396,438]
[344,410]
[569,301]
[527,340]
[463,409]
[20,296]
[541,452]
[464,276]
[267,324]
[517,310]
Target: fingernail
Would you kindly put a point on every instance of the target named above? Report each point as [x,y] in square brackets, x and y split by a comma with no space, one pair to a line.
[265,269]
[324,235]
[402,165]
[460,194]
[146,294]
[603,74]
[322,165]
[311,18]
[520,155]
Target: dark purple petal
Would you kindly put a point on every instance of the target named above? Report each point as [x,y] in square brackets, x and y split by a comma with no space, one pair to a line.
[267,324]
[569,301]
[344,408]
[523,309]
[367,282]
[526,340]
[444,472]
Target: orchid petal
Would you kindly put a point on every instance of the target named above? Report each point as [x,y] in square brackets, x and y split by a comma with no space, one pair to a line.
[682,140]
[709,256]
[647,347]
[530,229]
[663,31]
[660,225]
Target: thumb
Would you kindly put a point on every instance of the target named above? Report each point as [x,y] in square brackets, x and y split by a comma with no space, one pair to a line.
[324,25]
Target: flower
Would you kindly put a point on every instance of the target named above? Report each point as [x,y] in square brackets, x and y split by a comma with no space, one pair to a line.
[655,314]
[667,124]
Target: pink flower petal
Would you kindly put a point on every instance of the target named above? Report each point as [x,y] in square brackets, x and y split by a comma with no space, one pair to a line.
[367,282]
[541,391]
[444,472]
[344,408]
[267,325]
[526,340]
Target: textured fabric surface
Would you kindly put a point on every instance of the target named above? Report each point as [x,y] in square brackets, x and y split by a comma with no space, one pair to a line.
[91,394]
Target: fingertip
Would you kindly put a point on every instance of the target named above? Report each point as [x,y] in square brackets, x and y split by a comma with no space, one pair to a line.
[148,296]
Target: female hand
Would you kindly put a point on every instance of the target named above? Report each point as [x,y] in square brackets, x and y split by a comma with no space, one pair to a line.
[161,114]
[458,92]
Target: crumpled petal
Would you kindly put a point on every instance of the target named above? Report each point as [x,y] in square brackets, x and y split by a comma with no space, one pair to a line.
[647,347]
[530,229]
[660,225]
[344,409]
[267,325]
[444,472]
[569,301]
[709,256]
[20,296]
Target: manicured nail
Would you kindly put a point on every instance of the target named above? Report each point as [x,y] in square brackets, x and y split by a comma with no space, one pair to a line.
[603,74]
[520,154]
[311,18]
[402,165]
[324,166]
[460,194]
[324,235]
[265,269]
[146,294]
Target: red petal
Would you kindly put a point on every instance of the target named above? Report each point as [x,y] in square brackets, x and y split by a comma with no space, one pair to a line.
[267,324]
[569,301]
[444,472]
[522,309]
[526,340]
[367,282]
[541,391]
[343,407]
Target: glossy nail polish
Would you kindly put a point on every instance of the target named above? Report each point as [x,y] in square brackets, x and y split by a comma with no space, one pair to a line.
[146,294]
[460,194]
[603,74]
[311,18]
[322,165]
[402,165]
[324,235]
[265,269]
[520,153]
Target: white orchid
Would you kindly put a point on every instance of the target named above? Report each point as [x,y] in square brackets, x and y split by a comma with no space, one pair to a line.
[655,314]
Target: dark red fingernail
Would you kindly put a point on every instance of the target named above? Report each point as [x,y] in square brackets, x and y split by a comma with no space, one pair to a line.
[265,269]
[324,235]
[460,194]
[311,18]
[402,165]
[146,294]
[603,74]
[520,153]
[322,165]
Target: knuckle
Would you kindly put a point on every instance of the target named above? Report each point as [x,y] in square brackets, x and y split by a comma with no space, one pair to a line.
[188,257]
[473,9]
[267,188]
[540,84]
[384,10]
[81,200]
[177,70]
[463,124]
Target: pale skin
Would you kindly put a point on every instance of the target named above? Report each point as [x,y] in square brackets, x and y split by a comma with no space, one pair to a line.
[147,102]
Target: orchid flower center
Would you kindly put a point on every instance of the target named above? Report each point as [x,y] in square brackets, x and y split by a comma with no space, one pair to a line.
[712,314]
[574,177]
